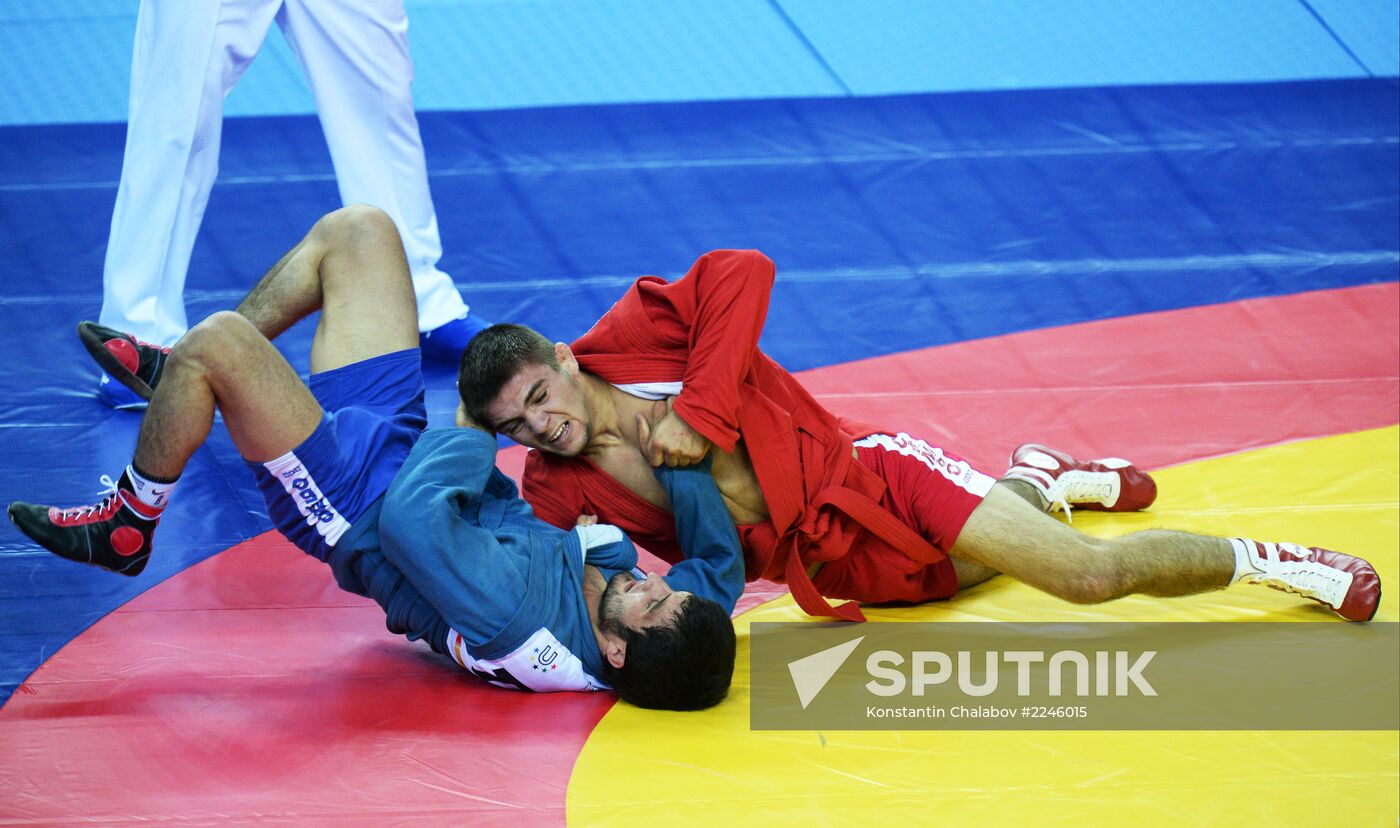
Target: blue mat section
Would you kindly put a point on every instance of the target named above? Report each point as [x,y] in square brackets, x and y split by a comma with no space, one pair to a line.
[896,223]
[1011,44]
[1368,30]
[68,61]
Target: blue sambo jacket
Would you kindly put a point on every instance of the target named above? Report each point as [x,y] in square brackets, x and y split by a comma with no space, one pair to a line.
[457,558]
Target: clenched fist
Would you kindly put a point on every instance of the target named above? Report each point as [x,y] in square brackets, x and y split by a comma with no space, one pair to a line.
[668,440]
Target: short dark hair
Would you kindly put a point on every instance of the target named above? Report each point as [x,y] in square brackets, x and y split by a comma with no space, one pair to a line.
[687,665]
[492,358]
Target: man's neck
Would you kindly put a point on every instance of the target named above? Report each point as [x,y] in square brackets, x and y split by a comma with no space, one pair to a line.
[593,586]
[614,416]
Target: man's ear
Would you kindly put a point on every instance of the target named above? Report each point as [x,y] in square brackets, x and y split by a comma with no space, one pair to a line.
[614,650]
[565,355]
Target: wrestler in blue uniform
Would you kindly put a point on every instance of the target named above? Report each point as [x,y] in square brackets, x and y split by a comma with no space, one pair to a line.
[423,523]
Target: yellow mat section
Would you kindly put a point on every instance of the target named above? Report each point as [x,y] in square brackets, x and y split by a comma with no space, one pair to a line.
[648,768]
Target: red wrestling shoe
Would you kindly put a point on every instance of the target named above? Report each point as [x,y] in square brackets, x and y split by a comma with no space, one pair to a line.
[128,360]
[1110,484]
[114,534]
[1348,585]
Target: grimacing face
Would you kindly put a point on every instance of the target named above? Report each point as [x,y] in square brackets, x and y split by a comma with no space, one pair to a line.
[544,408]
[628,603]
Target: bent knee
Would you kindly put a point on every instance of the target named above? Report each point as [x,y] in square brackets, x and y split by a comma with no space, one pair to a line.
[355,223]
[221,337]
[218,328]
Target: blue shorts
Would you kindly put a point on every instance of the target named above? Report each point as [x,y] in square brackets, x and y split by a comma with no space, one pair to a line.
[374,413]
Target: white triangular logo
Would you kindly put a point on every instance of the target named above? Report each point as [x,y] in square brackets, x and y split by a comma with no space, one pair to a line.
[811,673]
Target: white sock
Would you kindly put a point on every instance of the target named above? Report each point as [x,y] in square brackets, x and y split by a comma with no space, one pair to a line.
[152,493]
[1245,556]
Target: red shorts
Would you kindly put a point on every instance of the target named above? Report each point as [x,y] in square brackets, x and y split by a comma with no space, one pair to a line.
[929,490]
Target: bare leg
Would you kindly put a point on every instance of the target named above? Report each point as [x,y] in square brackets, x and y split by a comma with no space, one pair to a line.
[289,291]
[971,574]
[224,362]
[1008,534]
[351,266]
[348,267]
[1026,492]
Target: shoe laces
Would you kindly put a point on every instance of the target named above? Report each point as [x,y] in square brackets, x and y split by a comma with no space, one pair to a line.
[164,349]
[111,498]
[1078,487]
[1061,504]
[1326,587]
[1081,488]
[1306,576]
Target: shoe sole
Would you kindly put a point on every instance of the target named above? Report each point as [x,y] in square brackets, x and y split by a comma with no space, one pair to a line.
[1377,607]
[109,363]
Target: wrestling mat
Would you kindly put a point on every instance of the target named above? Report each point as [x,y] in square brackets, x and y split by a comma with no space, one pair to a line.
[250,685]
[1219,304]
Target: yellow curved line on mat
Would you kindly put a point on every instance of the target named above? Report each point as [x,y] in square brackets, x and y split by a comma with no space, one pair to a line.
[648,768]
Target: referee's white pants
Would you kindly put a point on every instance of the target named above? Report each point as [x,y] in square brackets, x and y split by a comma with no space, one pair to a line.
[188,55]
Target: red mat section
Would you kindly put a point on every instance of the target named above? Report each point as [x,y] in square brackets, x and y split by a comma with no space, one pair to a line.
[1163,388]
[250,686]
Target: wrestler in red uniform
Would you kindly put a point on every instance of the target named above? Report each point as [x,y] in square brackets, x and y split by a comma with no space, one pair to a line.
[871,512]
[703,331]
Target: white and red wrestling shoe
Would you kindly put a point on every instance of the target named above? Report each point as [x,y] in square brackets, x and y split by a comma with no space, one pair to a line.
[1109,484]
[1347,584]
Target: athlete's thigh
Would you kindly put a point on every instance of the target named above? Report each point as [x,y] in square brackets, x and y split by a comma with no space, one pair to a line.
[266,407]
[1011,536]
[368,307]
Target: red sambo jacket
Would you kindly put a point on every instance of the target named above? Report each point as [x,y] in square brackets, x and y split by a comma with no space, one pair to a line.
[703,330]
